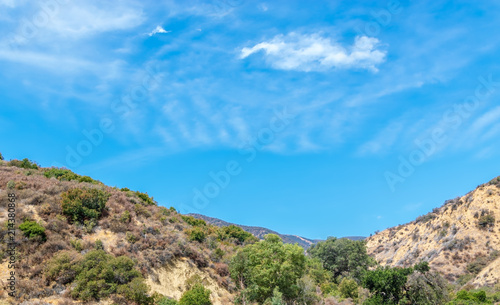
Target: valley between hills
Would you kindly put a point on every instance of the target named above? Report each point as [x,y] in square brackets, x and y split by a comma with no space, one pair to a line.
[80,241]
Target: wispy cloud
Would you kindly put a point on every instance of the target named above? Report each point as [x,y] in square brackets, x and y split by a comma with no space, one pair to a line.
[9,3]
[316,53]
[158,30]
[383,141]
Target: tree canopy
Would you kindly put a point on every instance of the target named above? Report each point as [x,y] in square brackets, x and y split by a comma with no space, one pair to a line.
[342,256]
[260,268]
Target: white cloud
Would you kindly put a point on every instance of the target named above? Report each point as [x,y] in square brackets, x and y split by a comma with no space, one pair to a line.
[316,53]
[158,30]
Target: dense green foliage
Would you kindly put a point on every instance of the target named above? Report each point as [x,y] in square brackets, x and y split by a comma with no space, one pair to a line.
[260,268]
[195,222]
[63,174]
[32,229]
[342,256]
[386,283]
[196,234]
[197,295]
[237,233]
[62,267]
[145,198]
[426,289]
[84,204]
[1,157]
[348,288]
[101,274]
[24,163]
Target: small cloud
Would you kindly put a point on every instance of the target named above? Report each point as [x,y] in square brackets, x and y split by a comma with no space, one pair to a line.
[316,53]
[158,30]
[263,7]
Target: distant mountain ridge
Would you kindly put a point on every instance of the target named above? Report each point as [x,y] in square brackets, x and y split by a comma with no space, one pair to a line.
[260,232]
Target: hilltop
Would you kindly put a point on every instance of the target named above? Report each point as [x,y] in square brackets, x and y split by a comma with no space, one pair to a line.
[460,239]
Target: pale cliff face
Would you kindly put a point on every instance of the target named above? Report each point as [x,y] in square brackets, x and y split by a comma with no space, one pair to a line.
[449,239]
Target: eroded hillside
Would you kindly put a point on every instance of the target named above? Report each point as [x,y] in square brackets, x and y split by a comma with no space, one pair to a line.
[461,239]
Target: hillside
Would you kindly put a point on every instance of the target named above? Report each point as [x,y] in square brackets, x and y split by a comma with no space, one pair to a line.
[461,239]
[259,232]
[151,242]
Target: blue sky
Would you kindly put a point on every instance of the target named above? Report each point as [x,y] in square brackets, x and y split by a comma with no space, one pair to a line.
[324,118]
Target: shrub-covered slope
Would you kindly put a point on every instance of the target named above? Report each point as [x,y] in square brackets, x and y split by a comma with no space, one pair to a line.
[78,239]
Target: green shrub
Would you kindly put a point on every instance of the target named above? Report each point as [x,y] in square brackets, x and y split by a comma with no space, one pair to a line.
[101,274]
[131,238]
[11,184]
[99,245]
[76,244]
[24,163]
[60,174]
[478,264]
[32,229]
[348,288]
[136,290]
[1,157]
[195,222]
[145,198]
[125,217]
[84,204]
[166,301]
[141,210]
[196,234]
[62,267]
[486,221]
[198,295]
[63,174]
[235,232]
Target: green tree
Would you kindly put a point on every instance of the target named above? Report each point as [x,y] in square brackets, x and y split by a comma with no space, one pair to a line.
[261,267]
[386,283]
[342,256]
[1,157]
[426,288]
[197,295]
